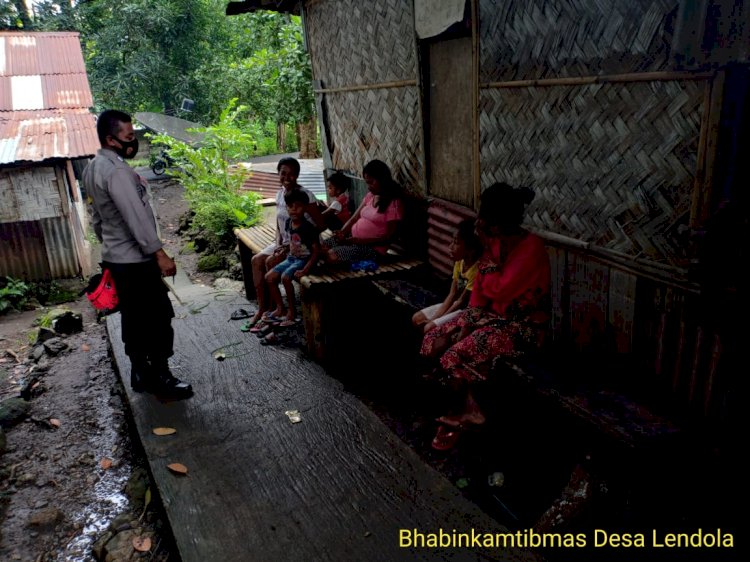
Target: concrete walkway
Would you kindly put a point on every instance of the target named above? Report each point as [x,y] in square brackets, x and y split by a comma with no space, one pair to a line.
[338,485]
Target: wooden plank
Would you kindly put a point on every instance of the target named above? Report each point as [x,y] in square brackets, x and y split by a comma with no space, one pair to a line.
[700,208]
[589,288]
[560,318]
[337,486]
[622,293]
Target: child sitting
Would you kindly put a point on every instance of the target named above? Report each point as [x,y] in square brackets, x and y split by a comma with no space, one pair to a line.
[465,250]
[337,212]
[304,249]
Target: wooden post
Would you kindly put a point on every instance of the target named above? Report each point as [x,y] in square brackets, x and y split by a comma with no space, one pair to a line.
[476,164]
[700,209]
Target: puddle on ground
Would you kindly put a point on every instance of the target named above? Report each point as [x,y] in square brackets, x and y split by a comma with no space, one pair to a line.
[108,497]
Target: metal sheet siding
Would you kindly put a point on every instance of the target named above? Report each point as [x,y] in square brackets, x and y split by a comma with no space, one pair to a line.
[50,64]
[28,53]
[61,249]
[35,136]
[443,218]
[22,251]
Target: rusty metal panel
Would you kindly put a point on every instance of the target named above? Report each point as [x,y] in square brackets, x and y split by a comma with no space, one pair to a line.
[61,247]
[27,53]
[622,291]
[559,321]
[589,290]
[22,251]
[443,218]
[41,135]
[66,90]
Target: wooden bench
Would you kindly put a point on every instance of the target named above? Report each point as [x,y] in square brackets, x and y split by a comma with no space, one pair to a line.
[318,286]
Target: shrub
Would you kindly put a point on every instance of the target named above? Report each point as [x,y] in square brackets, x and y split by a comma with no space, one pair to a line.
[13,294]
[212,186]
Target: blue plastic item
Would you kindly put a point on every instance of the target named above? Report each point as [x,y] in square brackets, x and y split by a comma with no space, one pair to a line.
[364,265]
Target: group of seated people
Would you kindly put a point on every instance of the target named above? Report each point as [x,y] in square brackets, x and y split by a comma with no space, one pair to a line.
[300,218]
[498,303]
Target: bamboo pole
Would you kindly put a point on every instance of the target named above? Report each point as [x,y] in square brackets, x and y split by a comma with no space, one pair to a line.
[381,85]
[603,79]
[700,208]
[475,151]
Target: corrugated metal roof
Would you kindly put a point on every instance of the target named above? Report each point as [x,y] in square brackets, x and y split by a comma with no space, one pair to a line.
[38,135]
[44,98]
[28,53]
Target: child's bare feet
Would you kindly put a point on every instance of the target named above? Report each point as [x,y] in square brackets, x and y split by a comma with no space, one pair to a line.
[462,420]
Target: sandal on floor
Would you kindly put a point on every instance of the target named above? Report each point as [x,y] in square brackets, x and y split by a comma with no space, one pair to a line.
[247,326]
[270,339]
[264,331]
[239,314]
[288,323]
[259,325]
[446,437]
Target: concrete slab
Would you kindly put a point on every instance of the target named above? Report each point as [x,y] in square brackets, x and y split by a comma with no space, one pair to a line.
[339,485]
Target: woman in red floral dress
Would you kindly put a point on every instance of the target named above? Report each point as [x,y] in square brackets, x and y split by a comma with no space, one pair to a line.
[508,312]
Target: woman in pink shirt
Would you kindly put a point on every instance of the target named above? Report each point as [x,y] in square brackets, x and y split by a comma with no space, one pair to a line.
[366,235]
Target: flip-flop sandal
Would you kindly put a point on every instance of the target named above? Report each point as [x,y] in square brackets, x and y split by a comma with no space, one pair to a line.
[446,438]
[270,339]
[264,331]
[259,325]
[247,326]
[288,323]
[239,314]
[271,317]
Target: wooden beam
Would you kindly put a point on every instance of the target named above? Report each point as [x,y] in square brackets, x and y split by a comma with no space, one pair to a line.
[700,208]
[381,85]
[603,79]
[476,163]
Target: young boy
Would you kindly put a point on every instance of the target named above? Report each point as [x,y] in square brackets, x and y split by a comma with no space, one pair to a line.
[465,250]
[337,212]
[304,249]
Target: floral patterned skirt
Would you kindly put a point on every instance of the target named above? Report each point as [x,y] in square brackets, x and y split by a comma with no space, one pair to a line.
[491,336]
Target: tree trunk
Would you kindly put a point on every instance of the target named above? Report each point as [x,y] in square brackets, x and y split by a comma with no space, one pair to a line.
[23,13]
[308,138]
[281,137]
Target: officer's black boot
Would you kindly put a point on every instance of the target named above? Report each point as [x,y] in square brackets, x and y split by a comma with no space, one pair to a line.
[166,384]
[140,374]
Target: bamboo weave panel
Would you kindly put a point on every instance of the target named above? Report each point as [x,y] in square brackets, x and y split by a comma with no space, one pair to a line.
[384,124]
[552,38]
[612,164]
[358,43]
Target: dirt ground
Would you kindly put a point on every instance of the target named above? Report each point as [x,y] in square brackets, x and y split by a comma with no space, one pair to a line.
[71,474]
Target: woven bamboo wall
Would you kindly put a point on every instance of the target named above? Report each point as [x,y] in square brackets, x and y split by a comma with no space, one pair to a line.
[366,44]
[554,38]
[612,164]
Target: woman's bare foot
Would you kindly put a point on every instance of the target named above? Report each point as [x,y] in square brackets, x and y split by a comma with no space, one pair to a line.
[462,420]
[277,313]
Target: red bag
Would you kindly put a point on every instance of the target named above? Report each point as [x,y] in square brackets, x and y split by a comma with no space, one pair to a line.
[103,294]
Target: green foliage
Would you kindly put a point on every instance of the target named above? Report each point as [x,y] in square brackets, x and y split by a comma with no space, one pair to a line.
[139,162]
[212,185]
[51,292]
[13,294]
[210,262]
[45,319]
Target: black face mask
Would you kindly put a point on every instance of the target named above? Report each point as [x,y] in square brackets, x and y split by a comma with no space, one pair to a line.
[128,148]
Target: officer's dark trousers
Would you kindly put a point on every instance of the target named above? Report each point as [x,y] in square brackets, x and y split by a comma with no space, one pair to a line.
[146,311]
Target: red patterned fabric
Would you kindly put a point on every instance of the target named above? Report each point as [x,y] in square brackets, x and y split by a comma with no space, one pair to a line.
[508,311]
